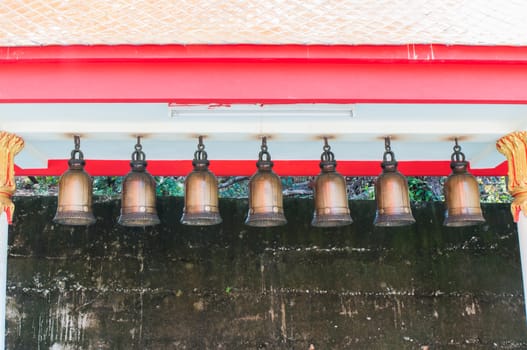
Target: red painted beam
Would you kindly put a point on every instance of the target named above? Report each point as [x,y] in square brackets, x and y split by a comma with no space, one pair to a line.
[265,82]
[263,74]
[269,74]
[248,167]
[290,53]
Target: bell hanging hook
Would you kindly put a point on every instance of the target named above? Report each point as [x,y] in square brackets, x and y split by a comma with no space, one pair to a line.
[326,147]
[138,146]
[457,156]
[264,157]
[263,147]
[76,152]
[201,146]
[387,144]
[77,142]
[200,156]
[327,156]
[388,159]
[138,162]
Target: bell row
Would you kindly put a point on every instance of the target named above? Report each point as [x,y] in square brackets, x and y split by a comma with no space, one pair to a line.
[138,196]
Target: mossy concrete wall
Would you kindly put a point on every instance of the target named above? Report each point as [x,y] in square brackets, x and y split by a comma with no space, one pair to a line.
[237,288]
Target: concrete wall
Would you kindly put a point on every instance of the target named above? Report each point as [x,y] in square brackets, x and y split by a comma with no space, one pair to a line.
[235,287]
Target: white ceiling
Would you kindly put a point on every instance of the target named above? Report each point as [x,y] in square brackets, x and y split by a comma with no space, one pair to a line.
[419,131]
[63,22]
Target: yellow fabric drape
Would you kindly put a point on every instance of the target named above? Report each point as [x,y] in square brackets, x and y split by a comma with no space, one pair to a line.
[514,147]
[10,145]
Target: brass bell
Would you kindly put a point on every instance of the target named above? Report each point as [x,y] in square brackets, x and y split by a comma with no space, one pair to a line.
[75,192]
[138,196]
[391,193]
[265,193]
[201,192]
[330,193]
[461,190]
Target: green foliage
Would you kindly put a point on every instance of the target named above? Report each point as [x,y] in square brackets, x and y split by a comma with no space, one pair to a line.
[361,188]
[40,185]
[170,186]
[107,185]
[494,190]
[422,189]
[233,187]
[287,181]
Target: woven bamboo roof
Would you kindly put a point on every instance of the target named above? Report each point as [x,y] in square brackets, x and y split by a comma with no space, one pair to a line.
[63,22]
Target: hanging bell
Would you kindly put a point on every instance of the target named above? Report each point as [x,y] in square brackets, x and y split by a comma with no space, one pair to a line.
[330,193]
[201,192]
[75,192]
[461,190]
[265,194]
[391,193]
[138,196]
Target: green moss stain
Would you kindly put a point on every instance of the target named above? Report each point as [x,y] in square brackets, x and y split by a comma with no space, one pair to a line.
[236,287]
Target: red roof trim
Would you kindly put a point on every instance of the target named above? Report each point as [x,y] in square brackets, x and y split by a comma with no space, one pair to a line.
[227,74]
[267,74]
[362,53]
[266,82]
[248,167]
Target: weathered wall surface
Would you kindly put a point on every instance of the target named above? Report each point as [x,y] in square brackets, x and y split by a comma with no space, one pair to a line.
[235,287]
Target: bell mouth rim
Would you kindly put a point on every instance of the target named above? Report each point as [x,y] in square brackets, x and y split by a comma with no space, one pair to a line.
[72,218]
[470,221]
[138,219]
[394,223]
[268,219]
[73,223]
[388,217]
[463,216]
[201,219]
[137,222]
[333,222]
[463,223]
[265,223]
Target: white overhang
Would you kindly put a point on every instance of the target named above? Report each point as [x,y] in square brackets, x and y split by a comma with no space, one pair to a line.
[295,131]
